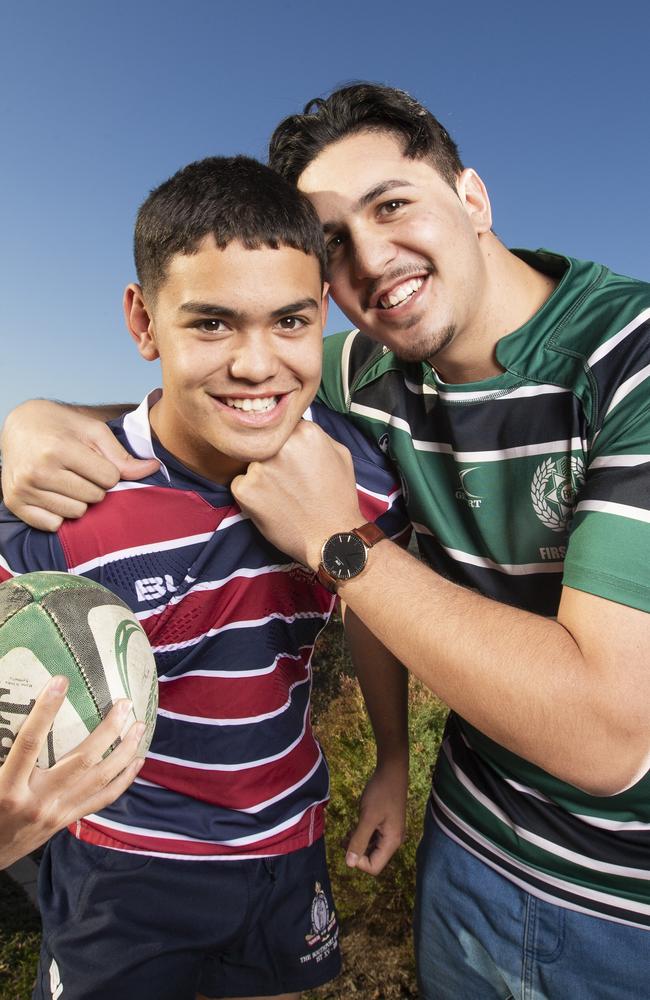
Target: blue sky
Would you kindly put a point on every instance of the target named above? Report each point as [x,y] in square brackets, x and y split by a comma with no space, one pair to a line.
[101,101]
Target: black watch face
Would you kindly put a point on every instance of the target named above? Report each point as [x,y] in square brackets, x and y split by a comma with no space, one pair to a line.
[344,556]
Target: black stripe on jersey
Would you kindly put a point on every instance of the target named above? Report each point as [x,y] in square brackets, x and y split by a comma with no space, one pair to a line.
[628,848]
[241,743]
[623,361]
[538,592]
[619,484]
[254,646]
[624,912]
[363,354]
[480,425]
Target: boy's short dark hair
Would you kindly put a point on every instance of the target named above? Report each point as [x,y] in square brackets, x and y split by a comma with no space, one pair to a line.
[362,107]
[232,198]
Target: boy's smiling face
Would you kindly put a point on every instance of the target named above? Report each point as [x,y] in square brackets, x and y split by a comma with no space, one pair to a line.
[239,336]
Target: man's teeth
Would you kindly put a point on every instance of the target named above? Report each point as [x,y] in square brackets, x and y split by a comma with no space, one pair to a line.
[260,403]
[401,293]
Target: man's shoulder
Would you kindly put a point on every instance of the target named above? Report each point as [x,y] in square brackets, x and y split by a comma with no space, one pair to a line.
[350,358]
[593,330]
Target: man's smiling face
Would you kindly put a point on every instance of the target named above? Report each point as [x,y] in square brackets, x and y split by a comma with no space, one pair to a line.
[403,246]
[239,336]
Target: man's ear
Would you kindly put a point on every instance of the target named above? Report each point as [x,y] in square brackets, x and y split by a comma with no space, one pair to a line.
[475,200]
[325,302]
[139,322]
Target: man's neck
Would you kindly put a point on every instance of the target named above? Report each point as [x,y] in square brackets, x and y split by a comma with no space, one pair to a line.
[515,292]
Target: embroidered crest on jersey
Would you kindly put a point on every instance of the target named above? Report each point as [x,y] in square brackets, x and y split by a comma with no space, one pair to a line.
[554,489]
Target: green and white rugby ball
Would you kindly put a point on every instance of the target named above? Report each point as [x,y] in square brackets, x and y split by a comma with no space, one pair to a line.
[57,623]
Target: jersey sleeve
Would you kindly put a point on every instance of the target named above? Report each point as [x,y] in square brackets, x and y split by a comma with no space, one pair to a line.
[378,484]
[609,543]
[26,550]
[345,357]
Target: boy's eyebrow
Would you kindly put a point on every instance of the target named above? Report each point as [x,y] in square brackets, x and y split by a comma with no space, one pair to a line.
[293,307]
[225,312]
[208,309]
[369,196]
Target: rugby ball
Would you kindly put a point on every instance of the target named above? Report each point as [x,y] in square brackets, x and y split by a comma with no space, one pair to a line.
[57,623]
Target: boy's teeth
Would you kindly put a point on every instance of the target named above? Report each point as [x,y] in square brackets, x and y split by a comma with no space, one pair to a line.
[259,404]
[401,293]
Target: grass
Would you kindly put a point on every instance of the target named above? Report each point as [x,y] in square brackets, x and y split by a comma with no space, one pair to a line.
[374,914]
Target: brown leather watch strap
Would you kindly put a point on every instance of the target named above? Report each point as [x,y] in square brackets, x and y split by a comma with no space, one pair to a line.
[369,533]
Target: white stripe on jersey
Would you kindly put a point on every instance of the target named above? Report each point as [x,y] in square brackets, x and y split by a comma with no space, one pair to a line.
[207,585]
[533,838]
[283,794]
[625,388]
[345,366]
[170,647]
[496,396]
[618,461]
[139,550]
[521,451]
[619,509]
[511,569]
[614,341]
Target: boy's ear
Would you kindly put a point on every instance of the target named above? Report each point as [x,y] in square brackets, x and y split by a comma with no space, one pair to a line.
[139,322]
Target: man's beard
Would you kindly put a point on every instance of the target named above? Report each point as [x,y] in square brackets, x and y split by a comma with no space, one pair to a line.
[427,347]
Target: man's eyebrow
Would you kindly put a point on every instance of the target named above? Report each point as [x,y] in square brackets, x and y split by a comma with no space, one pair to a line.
[366,199]
[294,307]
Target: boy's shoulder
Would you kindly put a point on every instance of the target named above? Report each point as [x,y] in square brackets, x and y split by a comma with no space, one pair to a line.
[342,429]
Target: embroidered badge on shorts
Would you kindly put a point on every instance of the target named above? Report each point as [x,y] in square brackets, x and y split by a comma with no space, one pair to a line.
[324,935]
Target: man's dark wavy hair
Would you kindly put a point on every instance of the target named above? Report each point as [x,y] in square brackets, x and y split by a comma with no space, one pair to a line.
[362,107]
[231,198]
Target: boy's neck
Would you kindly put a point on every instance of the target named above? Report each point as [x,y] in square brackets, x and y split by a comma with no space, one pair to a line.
[204,461]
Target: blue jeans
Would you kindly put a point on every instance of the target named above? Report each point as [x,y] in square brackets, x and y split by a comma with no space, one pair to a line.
[479,936]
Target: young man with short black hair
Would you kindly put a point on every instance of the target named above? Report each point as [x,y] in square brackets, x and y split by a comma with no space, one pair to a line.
[209,873]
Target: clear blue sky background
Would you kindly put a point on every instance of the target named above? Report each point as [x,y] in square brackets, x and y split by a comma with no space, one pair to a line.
[101,101]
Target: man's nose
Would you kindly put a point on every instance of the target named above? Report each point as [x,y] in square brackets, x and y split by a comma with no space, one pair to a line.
[371,254]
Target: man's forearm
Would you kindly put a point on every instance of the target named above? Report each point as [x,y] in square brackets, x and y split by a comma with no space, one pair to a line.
[519,678]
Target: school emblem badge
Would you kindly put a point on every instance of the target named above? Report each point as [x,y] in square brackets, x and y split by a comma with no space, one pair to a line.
[322,922]
[554,489]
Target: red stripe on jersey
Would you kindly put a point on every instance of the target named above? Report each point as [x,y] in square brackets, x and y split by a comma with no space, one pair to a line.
[306,831]
[5,575]
[132,518]
[235,697]
[242,788]
[371,507]
[241,599]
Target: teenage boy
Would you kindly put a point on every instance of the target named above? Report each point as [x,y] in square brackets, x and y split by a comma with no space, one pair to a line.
[511,391]
[209,873]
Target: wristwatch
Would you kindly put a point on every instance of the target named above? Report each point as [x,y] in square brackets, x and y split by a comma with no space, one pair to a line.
[345,554]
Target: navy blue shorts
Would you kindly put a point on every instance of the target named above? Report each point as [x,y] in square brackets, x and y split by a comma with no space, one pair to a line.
[120,926]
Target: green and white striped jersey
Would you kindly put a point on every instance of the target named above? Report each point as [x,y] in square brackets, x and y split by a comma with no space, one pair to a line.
[516,485]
